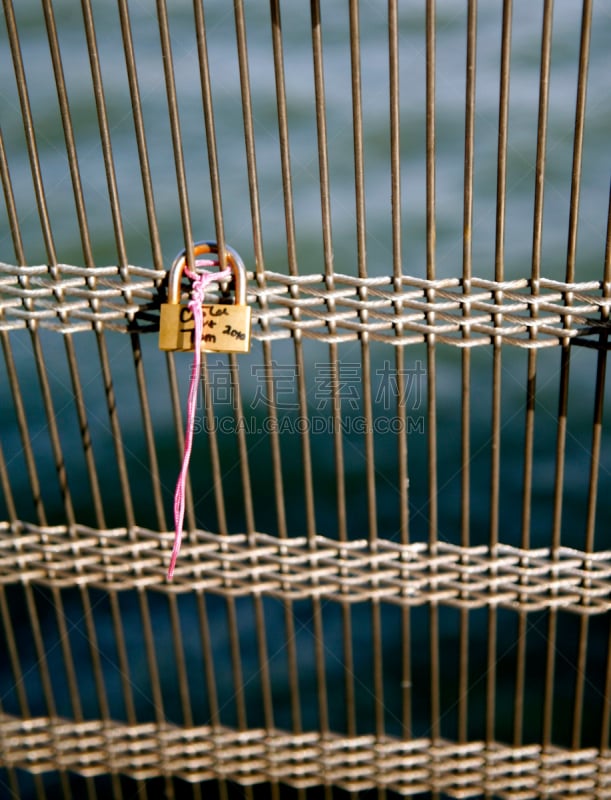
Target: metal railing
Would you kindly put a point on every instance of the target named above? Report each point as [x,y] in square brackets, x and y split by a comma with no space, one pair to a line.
[395,576]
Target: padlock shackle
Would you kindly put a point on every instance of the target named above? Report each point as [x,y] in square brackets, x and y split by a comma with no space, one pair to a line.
[234,261]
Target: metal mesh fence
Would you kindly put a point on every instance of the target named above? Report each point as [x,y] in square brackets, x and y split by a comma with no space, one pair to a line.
[394,578]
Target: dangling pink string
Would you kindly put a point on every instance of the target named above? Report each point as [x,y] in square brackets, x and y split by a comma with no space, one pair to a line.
[198,290]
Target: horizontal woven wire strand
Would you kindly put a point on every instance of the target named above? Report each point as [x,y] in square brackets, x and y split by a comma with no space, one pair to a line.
[397,311]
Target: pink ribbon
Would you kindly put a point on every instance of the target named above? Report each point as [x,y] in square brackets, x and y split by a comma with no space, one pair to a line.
[198,290]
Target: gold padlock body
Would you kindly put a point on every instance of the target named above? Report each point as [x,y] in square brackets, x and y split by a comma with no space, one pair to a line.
[226,328]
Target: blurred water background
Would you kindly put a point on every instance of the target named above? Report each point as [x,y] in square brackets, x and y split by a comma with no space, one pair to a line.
[451,53]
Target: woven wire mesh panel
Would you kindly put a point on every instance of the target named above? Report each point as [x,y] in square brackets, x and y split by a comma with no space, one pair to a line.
[395,577]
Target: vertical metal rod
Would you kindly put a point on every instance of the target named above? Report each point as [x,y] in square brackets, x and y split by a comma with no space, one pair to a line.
[12,654]
[499,270]
[215,458]
[432,532]
[470,83]
[561,433]
[395,136]
[236,664]
[153,670]
[52,428]
[11,208]
[83,423]
[595,452]
[520,684]
[357,129]
[183,198]
[17,672]
[255,211]
[590,526]
[179,163]
[406,670]
[328,257]
[249,138]
[342,533]
[64,106]
[544,77]
[249,511]
[285,154]
[181,667]
[149,434]
[7,489]
[493,539]
[549,683]
[321,129]
[289,622]
[181,673]
[396,209]
[325,200]
[266,684]
[361,229]
[208,656]
[340,480]
[143,157]
[430,33]
[580,120]
[13,783]
[278,52]
[73,690]
[431,231]
[104,128]
[26,441]
[217,206]
[560,456]
[465,504]
[29,129]
[606,715]
[501,176]
[605,725]
[544,72]
[361,225]
[98,675]
[206,87]
[111,406]
[597,429]
[242,446]
[306,447]
[124,670]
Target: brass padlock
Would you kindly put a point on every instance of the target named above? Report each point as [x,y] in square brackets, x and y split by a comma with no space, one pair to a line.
[226,328]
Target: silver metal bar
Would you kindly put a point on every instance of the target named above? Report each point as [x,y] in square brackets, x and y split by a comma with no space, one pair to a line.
[104,128]
[531,376]
[143,156]
[467,255]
